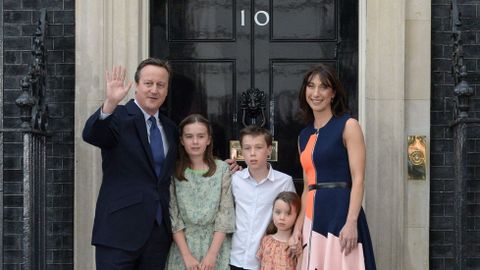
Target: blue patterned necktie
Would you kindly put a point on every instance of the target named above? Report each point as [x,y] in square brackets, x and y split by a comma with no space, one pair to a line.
[156,145]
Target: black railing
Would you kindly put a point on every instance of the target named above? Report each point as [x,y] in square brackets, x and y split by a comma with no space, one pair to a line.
[34,111]
[34,128]
[460,125]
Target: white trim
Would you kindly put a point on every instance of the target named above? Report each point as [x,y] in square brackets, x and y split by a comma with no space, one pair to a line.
[145,29]
[362,56]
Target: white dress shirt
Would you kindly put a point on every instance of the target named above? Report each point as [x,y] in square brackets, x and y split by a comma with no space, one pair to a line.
[253,212]
[147,116]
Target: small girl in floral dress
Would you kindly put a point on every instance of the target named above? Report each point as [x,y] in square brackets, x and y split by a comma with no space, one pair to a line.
[273,252]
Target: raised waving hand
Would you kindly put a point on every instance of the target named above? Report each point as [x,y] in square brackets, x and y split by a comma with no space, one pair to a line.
[116,88]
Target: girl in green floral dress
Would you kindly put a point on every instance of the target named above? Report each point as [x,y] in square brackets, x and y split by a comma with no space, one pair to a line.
[201,203]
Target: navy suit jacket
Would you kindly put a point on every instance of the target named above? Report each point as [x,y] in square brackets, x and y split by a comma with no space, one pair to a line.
[130,192]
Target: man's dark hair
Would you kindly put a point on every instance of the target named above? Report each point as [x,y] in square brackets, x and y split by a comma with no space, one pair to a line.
[152,62]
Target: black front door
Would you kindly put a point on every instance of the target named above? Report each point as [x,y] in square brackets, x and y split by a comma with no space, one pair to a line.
[218,49]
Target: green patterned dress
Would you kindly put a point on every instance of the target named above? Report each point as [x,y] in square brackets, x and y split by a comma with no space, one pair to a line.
[201,206]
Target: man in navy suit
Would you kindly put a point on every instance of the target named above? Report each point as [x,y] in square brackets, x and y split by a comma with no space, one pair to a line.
[132,223]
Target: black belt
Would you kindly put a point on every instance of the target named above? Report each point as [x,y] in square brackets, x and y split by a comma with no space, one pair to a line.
[330,185]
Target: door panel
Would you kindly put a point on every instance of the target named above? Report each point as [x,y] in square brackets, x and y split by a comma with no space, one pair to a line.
[303,20]
[201,20]
[219,49]
[206,88]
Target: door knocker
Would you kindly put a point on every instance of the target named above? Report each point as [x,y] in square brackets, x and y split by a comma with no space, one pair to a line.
[252,104]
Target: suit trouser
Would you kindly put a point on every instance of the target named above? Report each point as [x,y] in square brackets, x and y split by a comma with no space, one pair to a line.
[153,255]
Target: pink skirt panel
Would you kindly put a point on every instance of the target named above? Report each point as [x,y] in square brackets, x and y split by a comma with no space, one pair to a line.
[325,252]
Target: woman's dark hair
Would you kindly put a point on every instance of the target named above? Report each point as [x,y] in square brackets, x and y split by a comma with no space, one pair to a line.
[292,199]
[329,78]
[183,160]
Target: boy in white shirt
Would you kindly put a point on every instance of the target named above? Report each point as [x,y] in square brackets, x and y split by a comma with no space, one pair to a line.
[254,190]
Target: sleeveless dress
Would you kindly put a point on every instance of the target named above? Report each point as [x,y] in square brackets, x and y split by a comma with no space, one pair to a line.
[324,158]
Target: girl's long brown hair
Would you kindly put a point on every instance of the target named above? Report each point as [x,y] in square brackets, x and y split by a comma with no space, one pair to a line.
[293,201]
[183,160]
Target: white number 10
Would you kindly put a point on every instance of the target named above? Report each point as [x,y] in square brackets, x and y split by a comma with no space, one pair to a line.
[264,13]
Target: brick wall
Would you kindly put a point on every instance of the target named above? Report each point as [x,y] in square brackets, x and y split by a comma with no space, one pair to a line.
[19,23]
[442,174]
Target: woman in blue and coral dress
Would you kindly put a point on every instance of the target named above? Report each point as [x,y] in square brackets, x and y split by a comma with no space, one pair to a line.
[335,234]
